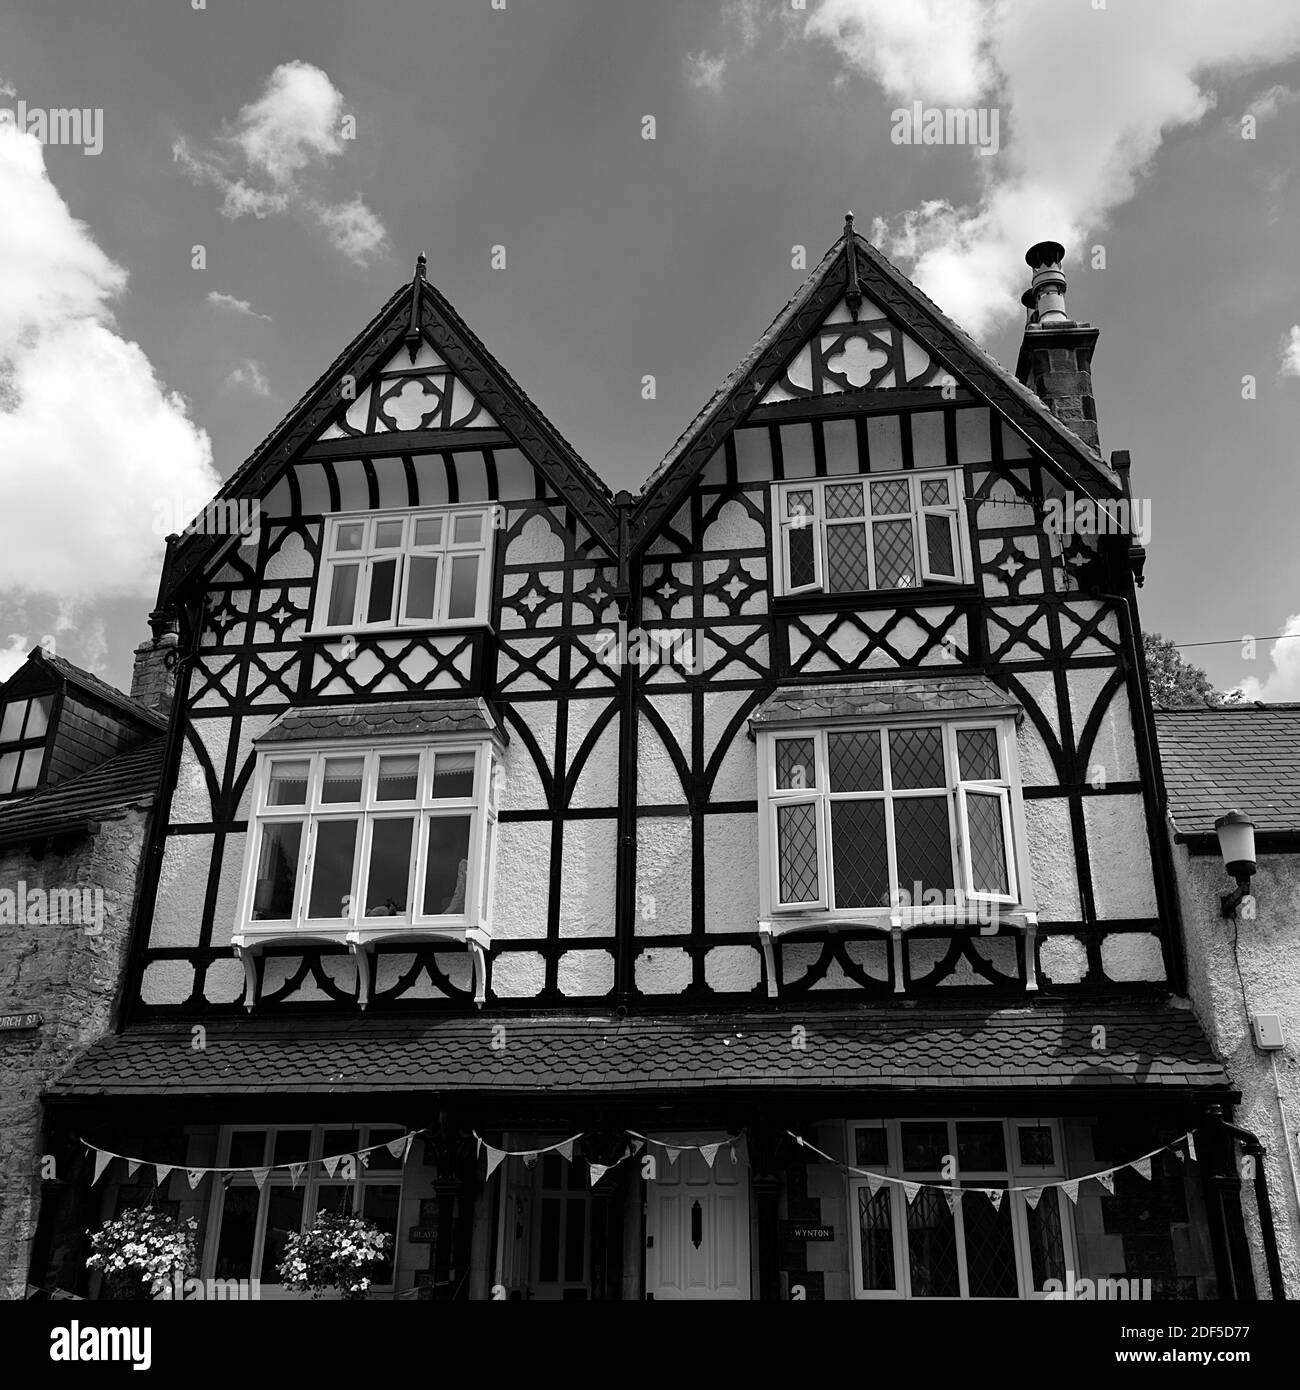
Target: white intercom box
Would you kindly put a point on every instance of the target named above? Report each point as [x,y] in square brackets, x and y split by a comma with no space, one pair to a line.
[1268,1031]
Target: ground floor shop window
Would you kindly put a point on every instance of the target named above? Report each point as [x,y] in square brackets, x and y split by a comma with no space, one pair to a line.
[250,1225]
[970,1248]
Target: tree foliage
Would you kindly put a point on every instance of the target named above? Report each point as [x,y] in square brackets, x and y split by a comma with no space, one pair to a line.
[1176,683]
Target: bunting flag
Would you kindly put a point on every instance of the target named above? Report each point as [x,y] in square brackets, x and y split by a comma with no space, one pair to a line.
[1107,1180]
[530,1160]
[637,1146]
[1072,1189]
[565,1150]
[598,1171]
[102,1159]
[162,1169]
[333,1162]
[734,1159]
[399,1146]
[196,1176]
[494,1158]
[364,1156]
[874,1183]
[1143,1166]
[953,1196]
[131,1165]
[1034,1195]
[295,1172]
[911,1189]
[1191,1148]
[479,1142]
[671,1152]
[406,1149]
[709,1152]
[260,1176]
[994,1194]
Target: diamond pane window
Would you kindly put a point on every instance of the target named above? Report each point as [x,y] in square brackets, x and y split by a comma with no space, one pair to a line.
[1036,1146]
[802,543]
[935,492]
[1046,1243]
[924,844]
[977,755]
[938,543]
[796,763]
[796,828]
[990,1246]
[855,761]
[890,498]
[859,854]
[847,567]
[932,1246]
[799,504]
[987,846]
[876,1225]
[844,500]
[895,555]
[916,759]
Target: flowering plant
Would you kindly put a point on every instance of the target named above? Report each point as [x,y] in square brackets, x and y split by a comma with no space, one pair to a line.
[143,1253]
[337,1252]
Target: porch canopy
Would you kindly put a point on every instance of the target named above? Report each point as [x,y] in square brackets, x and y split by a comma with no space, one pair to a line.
[1078,1049]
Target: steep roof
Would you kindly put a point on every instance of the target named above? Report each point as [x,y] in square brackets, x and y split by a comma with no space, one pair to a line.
[448,334]
[1049,1044]
[1242,757]
[969,364]
[63,670]
[130,779]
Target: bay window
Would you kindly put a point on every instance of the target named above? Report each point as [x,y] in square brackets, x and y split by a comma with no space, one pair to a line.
[427,568]
[882,531]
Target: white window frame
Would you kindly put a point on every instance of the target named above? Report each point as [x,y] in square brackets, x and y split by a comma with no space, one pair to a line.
[24,744]
[1019,900]
[367,556]
[312,1179]
[354,927]
[1016,1174]
[783,525]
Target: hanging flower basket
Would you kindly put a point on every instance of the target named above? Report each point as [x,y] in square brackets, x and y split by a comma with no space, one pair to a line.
[144,1253]
[337,1252]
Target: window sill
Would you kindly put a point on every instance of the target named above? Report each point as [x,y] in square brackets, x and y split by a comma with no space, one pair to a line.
[249,940]
[337,634]
[818,601]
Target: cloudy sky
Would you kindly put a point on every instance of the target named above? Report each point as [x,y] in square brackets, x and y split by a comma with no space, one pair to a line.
[265,176]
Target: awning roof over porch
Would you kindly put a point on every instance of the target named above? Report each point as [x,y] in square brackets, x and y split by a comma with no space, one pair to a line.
[1049,1044]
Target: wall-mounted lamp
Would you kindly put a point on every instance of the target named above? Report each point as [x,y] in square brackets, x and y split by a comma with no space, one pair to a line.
[1236,834]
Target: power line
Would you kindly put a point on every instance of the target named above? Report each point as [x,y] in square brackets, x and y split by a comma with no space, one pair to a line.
[1235,641]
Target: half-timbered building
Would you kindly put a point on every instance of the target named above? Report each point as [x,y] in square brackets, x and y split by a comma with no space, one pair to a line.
[754,888]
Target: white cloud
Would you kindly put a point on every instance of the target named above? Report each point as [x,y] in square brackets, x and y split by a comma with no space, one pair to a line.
[249,376]
[1291,352]
[13,655]
[1086,97]
[273,158]
[236,306]
[705,70]
[89,436]
[1272,100]
[1283,681]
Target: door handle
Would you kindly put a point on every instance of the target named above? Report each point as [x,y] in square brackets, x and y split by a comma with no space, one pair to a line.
[649,1242]
[697,1224]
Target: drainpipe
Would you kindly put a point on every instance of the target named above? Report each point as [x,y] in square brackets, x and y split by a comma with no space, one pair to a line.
[1263,1202]
[628,595]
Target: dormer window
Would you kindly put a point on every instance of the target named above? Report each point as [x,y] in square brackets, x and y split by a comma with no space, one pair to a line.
[23,727]
[383,570]
[885,531]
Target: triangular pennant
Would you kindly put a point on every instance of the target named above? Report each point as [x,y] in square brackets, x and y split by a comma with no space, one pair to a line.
[1033,1195]
[494,1158]
[331,1163]
[911,1189]
[1180,1155]
[1072,1190]
[196,1176]
[162,1169]
[598,1171]
[406,1148]
[102,1159]
[364,1156]
[260,1176]
[396,1147]
[734,1159]
[709,1152]
[671,1152]
[1107,1180]
[1143,1166]
[295,1173]
[953,1196]
[131,1165]
[529,1160]
[1191,1148]
[479,1141]
[565,1150]
[994,1194]
[638,1145]
[874,1183]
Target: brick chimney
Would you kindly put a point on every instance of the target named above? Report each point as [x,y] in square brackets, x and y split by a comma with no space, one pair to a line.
[1056,353]
[153,681]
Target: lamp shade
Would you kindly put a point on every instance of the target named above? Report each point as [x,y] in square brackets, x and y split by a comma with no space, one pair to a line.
[1236,834]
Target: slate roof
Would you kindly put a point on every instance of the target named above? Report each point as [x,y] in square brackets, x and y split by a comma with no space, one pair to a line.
[1242,757]
[382,720]
[92,685]
[1049,1044]
[129,779]
[926,695]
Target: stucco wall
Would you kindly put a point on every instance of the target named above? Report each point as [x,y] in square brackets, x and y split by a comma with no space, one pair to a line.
[1267,953]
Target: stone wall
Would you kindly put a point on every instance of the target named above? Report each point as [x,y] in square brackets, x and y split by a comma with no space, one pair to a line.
[69,974]
[1267,953]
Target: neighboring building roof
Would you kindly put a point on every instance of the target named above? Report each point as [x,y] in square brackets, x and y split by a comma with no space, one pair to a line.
[1232,757]
[915,695]
[81,803]
[391,718]
[1047,1045]
[91,685]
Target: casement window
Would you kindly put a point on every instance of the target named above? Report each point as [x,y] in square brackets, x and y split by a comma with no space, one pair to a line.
[928,1249]
[859,818]
[250,1224]
[23,727]
[850,535]
[405,569]
[364,843]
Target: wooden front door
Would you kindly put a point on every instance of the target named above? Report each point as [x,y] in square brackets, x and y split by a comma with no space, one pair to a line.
[697,1225]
